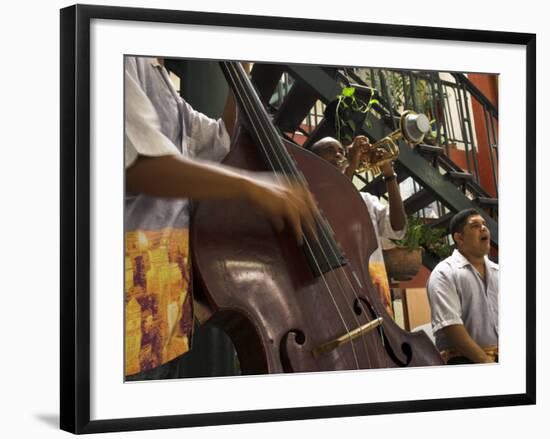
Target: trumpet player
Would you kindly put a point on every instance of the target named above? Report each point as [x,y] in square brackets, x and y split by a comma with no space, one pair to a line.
[389,220]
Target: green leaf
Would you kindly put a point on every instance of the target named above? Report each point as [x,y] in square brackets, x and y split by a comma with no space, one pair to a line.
[348,91]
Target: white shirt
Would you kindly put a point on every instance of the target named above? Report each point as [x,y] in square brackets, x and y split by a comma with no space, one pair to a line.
[158,122]
[380,217]
[459,296]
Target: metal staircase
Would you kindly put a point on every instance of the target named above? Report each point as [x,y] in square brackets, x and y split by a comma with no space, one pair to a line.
[297,97]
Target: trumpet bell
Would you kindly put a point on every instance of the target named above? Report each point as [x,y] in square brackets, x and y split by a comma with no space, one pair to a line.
[412,128]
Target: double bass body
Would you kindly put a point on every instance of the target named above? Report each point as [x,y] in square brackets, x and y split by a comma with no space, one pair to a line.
[263,293]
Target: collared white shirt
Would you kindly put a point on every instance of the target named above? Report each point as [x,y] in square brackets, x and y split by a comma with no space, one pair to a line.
[459,295]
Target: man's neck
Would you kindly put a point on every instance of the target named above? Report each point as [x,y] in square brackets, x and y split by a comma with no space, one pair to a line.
[477,262]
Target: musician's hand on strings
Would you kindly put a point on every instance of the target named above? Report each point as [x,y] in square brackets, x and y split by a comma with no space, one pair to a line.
[284,203]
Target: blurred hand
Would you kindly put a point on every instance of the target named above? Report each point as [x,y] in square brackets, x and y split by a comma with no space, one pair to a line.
[284,203]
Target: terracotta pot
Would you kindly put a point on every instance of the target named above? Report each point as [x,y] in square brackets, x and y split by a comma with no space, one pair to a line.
[402,264]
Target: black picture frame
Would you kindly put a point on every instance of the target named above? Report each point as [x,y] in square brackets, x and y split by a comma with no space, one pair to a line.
[75,217]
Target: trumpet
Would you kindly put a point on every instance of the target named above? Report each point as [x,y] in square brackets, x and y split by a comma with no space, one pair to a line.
[412,129]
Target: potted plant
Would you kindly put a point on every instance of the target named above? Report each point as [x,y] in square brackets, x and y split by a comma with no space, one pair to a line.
[404,260]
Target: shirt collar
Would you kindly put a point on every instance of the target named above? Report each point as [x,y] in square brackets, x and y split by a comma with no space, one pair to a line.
[490,264]
[459,259]
[462,262]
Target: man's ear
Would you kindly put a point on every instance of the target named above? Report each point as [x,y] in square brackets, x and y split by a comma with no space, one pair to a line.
[458,239]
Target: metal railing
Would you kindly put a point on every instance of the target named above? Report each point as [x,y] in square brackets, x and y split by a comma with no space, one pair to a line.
[451,102]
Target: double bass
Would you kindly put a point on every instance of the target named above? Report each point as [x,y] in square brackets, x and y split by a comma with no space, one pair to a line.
[286,307]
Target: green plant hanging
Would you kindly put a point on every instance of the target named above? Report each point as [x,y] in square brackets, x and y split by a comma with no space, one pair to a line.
[350,114]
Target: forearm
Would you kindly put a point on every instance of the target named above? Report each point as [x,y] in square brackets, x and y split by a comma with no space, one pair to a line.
[282,202]
[352,166]
[462,342]
[177,177]
[398,218]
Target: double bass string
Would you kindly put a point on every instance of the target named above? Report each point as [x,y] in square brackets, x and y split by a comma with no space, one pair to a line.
[274,137]
[300,178]
[249,109]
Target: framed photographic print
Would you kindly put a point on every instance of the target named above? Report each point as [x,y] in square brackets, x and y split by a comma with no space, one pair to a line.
[269,218]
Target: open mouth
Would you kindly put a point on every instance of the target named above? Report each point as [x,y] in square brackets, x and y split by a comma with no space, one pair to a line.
[484,238]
